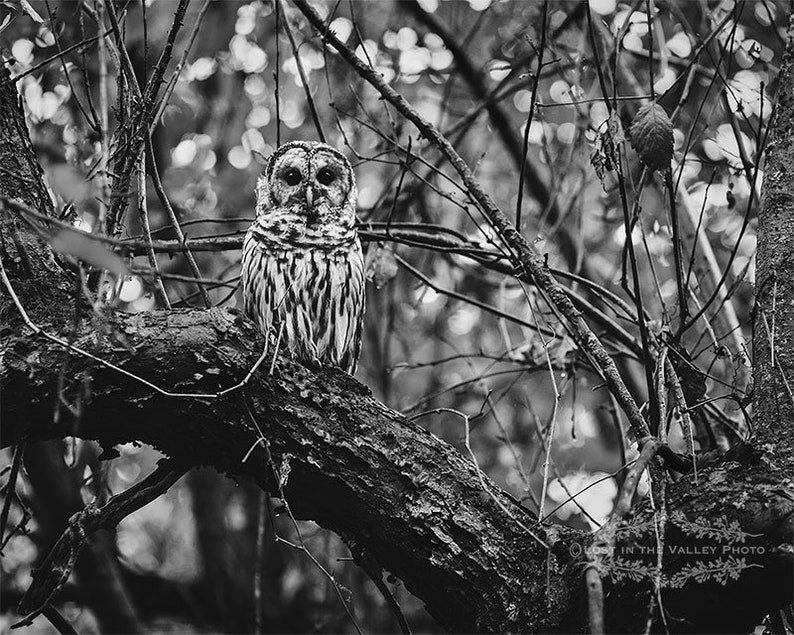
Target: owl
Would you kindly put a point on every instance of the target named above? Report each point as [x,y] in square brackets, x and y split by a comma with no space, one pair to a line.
[302,265]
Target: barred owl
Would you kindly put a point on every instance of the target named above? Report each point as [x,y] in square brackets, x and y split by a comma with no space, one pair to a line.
[302,267]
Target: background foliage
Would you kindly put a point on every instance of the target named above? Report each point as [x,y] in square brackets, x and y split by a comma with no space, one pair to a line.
[448,333]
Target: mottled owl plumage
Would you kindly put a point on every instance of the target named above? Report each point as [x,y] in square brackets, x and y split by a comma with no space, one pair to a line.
[302,268]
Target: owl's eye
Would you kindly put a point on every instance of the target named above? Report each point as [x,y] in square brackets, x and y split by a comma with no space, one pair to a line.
[292,176]
[326,176]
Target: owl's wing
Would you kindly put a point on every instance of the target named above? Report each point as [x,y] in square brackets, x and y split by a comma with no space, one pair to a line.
[349,329]
[257,278]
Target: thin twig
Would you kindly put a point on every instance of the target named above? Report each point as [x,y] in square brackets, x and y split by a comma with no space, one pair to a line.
[61,624]
[304,80]
[160,110]
[530,114]
[604,543]
[10,492]
[143,210]
[158,188]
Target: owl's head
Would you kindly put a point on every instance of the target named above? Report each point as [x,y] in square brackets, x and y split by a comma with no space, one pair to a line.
[308,184]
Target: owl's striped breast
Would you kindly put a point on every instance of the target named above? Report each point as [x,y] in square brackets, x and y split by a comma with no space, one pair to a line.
[314,295]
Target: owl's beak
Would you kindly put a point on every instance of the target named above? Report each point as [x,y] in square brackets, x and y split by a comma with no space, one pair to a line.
[311,209]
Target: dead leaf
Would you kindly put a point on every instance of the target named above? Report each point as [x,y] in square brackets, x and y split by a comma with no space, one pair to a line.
[651,135]
[381,265]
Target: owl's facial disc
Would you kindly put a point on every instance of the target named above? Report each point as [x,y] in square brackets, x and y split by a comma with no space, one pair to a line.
[310,187]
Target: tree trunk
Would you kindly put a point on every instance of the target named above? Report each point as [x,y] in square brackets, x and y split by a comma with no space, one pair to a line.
[773,336]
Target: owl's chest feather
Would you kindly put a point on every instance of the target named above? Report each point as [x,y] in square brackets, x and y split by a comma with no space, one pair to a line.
[315,297]
[310,278]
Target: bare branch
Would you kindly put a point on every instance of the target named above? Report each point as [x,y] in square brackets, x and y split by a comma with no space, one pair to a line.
[54,571]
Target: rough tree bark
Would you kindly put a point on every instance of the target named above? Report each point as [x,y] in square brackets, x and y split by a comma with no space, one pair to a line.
[403,500]
[773,341]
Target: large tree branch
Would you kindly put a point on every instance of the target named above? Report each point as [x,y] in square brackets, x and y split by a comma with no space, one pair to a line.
[394,492]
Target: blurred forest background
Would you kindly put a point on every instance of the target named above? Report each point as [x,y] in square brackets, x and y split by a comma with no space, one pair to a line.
[448,331]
